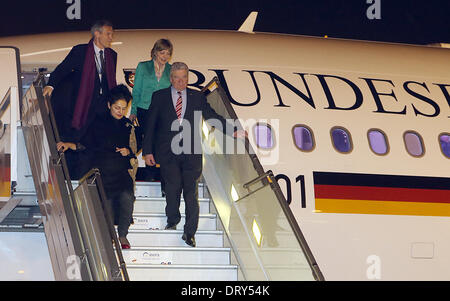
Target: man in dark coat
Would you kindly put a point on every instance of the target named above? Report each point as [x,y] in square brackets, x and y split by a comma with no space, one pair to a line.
[181,168]
[78,86]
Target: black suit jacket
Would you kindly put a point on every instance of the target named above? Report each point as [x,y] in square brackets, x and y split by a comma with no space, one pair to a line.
[65,80]
[160,138]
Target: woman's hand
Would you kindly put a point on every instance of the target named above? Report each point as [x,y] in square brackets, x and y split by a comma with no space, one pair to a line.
[132,117]
[123,151]
[48,90]
[65,146]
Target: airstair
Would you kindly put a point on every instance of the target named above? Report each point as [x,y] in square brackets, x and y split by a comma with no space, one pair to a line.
[159,254]
[246,229]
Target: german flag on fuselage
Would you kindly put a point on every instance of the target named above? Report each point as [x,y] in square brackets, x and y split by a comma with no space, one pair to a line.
[381,194]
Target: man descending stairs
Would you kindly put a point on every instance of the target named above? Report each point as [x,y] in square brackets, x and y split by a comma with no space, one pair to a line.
[158,254]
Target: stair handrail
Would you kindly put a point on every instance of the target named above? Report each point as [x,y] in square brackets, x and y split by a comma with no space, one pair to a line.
[94,176]
[4,104]
[262,175]
[57,160]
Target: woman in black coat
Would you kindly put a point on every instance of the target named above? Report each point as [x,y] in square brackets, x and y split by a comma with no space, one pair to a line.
[108,143]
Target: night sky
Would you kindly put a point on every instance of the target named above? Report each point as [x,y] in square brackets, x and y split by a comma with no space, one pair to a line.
[414,22]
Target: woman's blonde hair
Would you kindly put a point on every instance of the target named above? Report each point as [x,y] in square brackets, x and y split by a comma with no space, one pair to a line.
[161,44]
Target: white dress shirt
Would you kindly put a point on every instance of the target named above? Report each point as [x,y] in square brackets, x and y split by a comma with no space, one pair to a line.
[98,60]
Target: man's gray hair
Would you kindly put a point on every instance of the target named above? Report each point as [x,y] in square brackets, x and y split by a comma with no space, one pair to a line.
[178,66]
[98,26]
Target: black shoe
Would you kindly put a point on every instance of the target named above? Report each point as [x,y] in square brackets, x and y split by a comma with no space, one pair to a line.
[171,227]
[190,240]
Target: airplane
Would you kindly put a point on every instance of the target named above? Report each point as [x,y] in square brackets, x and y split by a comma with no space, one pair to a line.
[356,132]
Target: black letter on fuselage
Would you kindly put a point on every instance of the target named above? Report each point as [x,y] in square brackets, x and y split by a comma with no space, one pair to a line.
[274,77]
[224,84]
[437,110]
[445,91]
[326,89]
[376,96]
[200,79]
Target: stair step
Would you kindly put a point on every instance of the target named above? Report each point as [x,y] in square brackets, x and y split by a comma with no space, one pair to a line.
[177,255]
[172,238]
[150,189]
[158,205]
[153,189]
[158,221]
[149,272]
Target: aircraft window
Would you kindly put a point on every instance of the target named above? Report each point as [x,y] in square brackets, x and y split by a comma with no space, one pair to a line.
[264,136]
[303,138]
[414,144]
[378,142]
[342,140]
[444,140]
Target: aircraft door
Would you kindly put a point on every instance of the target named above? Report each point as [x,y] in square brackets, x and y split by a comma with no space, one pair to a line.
[9,115]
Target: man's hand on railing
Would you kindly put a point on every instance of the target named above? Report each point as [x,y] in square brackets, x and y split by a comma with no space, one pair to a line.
[65,146]
[123,151]
[48,90]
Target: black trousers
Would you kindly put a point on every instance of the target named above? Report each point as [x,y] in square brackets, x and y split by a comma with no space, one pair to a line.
[182,176]
[121,204]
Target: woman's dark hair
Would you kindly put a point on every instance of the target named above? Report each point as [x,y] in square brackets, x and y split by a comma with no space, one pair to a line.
[119,92]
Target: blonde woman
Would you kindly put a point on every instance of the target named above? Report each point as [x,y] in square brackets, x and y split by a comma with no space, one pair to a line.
[151,76]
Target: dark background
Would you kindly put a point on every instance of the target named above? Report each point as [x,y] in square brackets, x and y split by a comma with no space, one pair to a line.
[414,21]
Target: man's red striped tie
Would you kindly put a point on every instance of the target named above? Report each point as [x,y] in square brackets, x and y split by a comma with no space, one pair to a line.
[179,105]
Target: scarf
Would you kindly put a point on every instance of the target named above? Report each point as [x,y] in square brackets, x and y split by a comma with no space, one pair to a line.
[84,97]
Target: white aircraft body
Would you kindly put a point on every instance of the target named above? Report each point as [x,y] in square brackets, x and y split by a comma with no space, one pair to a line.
[376,201]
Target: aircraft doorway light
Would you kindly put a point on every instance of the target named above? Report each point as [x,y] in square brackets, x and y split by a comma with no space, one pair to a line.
[256,232]
[234,194]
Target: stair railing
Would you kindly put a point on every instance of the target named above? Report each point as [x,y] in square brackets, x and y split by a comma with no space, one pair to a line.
[79,237]
[265,237]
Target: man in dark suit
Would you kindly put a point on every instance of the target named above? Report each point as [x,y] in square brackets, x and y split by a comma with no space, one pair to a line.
[78,87]
[173,139]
